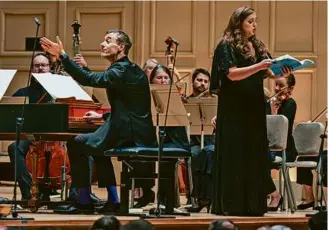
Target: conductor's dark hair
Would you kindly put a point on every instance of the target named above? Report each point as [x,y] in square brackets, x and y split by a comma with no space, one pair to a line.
[122,38]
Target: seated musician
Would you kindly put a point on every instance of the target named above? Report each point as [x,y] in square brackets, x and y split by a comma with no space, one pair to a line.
[78,59]
[201,160]
[41,64]
[129,124]
[175,137]
[149,65]
[35,92]
[285,105]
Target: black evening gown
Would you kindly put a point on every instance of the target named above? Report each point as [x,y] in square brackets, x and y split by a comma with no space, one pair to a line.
[240,161]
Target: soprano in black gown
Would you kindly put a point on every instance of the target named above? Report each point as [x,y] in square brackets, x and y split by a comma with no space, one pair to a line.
[240,161]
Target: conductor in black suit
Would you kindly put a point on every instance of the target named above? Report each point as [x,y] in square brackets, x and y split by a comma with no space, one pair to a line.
[129,124]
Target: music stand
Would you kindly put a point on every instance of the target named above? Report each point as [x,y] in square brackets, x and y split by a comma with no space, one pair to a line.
[6,76]
[201,111]
[176,116]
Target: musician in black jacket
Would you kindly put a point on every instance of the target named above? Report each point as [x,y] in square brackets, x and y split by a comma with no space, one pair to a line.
[129,124]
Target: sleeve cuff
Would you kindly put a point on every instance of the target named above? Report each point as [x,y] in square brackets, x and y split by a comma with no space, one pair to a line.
[63,56]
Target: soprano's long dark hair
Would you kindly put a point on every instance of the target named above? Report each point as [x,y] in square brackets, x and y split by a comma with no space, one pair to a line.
[234,33]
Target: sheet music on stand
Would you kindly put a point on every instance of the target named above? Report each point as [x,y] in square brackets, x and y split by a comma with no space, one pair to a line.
[6,76]
[60,86]
[201,107]
[177,115]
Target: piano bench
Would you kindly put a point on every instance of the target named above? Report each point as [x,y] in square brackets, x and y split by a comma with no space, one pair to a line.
[147,152]
[135,154]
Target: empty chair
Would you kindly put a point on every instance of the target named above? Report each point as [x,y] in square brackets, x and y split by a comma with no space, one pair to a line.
[277,132]
[307,142]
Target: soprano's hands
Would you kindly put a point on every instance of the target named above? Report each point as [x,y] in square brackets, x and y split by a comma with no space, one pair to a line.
[265,64]
[286,71]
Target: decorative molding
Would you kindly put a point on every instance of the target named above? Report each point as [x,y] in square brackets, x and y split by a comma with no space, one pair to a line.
[212,28]
[5,12]
[313,86]
[139,52]
[79,11]
[272,32]
[62,20]
[157,54]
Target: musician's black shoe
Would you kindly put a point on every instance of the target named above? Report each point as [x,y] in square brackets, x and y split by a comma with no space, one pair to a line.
[154,211]
[109,208]
[75,208]
[96,199]
[145,200]
[44,197]
[304,205]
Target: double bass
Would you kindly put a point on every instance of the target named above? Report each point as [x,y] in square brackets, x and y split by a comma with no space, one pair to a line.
[171,48]
[170,54]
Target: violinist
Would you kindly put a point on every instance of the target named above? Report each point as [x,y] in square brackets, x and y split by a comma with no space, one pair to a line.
[285,105]
[201,159]
[176,137]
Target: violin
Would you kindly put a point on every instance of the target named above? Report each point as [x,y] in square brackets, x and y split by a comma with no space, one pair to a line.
[205,94]
[279,97]
[76,37]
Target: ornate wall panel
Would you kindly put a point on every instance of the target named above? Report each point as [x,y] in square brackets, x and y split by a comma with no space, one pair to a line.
[294,31]
[304,94]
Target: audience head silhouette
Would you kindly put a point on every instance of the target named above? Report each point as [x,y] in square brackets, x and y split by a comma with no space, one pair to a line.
[223,225]
[106,223]
[318,221]
[138,225]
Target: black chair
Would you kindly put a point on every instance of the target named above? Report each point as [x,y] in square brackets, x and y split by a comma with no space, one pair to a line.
[169,160]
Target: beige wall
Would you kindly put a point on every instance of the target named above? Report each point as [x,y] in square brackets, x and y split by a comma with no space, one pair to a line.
[295,28]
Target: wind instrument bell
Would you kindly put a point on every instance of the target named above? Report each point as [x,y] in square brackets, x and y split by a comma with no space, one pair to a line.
[76,37]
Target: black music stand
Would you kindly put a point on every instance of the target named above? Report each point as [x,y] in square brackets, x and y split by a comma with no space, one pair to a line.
[166,116]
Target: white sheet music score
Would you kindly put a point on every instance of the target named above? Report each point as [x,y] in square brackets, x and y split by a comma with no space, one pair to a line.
[59,86]
[6,76]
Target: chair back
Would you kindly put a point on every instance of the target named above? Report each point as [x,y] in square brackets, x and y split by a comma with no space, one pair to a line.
[307,138]
[277,131]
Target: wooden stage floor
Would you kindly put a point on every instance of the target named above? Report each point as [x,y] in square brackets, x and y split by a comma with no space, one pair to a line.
[46,218]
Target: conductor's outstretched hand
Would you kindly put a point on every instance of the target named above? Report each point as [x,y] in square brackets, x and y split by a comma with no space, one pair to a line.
[54,48]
